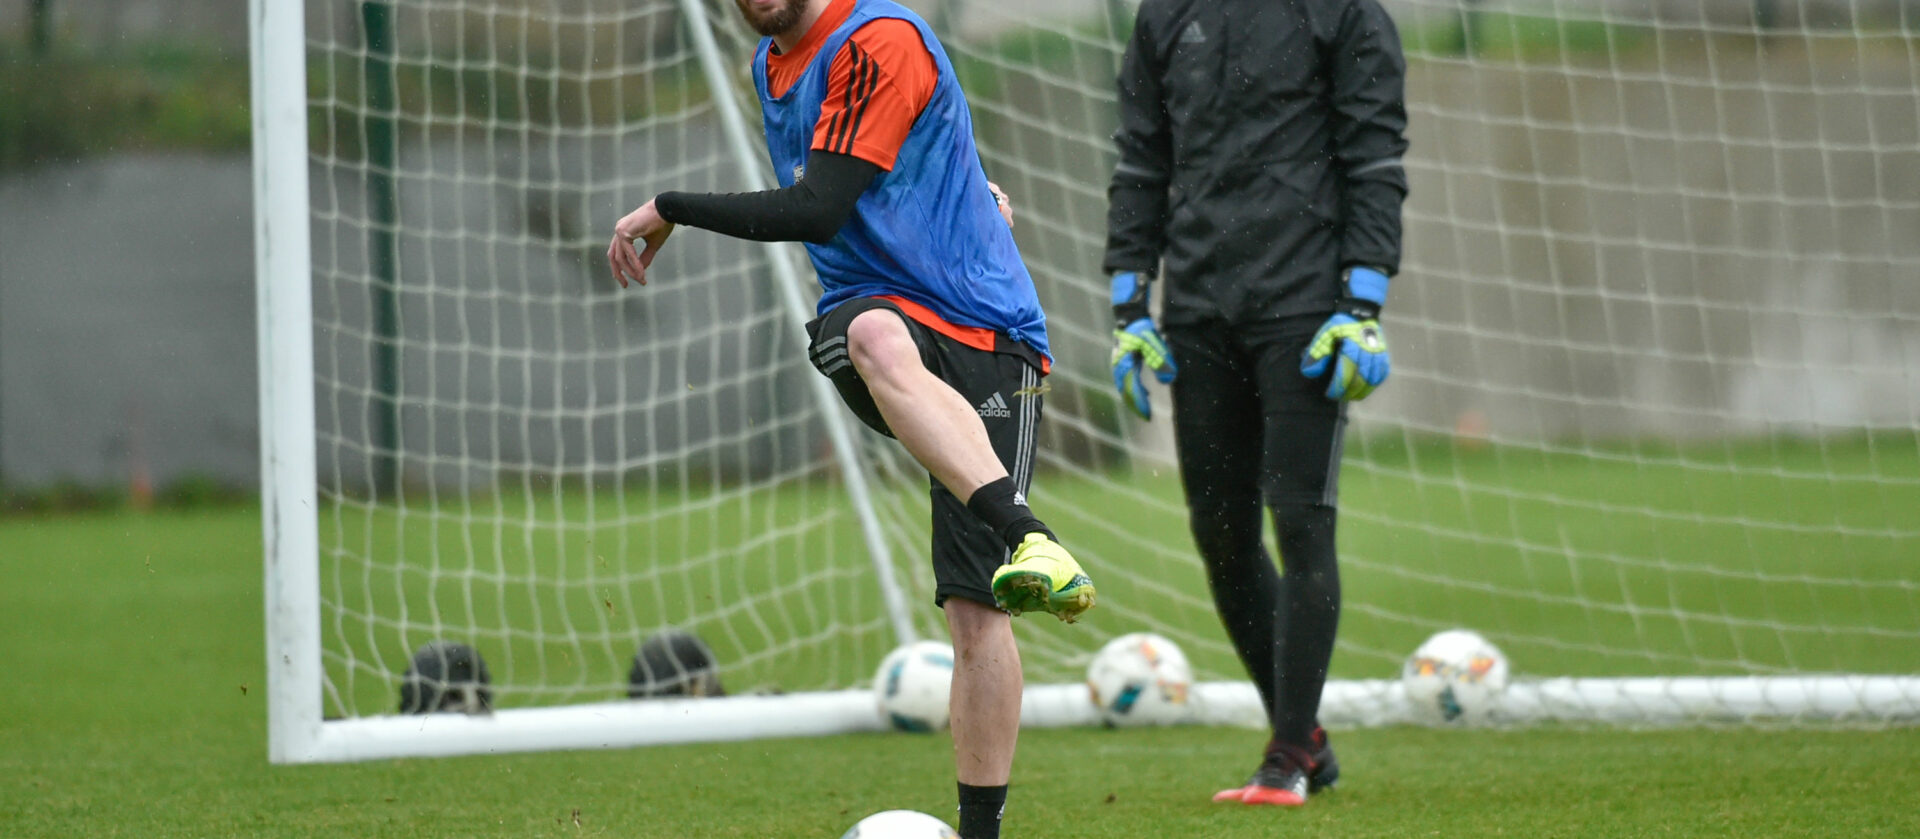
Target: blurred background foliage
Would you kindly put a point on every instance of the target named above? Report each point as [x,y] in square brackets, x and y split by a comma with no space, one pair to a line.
[63,105]
[67,91]
[65,99]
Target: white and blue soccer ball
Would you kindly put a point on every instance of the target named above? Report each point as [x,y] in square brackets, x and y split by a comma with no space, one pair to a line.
[913,684]
[1456,677]
[1140,679]
[900,824]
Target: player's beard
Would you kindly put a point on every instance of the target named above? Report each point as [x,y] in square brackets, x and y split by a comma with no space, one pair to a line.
[777,22]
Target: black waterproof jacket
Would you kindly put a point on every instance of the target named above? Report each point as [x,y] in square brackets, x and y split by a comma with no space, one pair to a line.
[1260,145]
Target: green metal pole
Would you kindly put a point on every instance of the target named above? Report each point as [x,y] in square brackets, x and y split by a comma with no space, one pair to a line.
[943,16]
[382,247]
[40,28]
[1470,27]
[1119,21]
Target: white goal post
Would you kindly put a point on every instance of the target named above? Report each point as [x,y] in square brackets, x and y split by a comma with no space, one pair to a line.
[1653,427]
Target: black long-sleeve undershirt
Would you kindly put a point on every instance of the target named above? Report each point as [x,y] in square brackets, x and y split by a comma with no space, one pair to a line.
[812,210]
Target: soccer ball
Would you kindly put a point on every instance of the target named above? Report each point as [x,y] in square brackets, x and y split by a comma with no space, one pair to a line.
[674,663]
[900,824]
[912,686]
[1455,678]
[1140,679]
[446,676]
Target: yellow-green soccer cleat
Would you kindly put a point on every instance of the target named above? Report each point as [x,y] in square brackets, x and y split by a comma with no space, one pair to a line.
[1042,577]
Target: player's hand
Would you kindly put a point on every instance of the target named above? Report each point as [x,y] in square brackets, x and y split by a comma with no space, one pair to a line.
[1001,200]
[1134,347]
[1352,340]
[643,225]
[1136,343]
[1360,348]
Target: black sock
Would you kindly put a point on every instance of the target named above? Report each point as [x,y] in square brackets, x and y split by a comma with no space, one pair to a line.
[980,809]
[1002,506]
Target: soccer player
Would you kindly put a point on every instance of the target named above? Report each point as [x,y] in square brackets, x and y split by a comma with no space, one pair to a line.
[1259,161]
[928,326]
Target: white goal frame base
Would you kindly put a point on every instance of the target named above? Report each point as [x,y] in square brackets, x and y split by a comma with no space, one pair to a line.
[1626,702]
[626,724]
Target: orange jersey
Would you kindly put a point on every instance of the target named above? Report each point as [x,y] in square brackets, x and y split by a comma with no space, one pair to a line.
[876,87]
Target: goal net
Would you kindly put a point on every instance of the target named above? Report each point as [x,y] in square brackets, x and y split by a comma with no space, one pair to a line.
[1653,427]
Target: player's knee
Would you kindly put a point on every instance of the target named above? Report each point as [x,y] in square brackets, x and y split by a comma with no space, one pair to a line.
[880,346]
[1306,533]
[976,627]
[1296,518]
[1224,529]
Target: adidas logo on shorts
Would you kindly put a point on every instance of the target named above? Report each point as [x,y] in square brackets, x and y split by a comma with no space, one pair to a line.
[994,407]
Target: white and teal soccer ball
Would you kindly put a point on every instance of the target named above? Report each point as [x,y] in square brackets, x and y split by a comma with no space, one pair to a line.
[913,684]
[1456,678]
[900,824]
[1140,679]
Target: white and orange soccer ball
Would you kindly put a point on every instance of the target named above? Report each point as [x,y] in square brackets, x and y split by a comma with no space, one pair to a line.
[1456,677]
[1140,679]
[913,685]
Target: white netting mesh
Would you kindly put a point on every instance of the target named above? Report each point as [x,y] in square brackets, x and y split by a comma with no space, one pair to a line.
[1654,409]
[581,466]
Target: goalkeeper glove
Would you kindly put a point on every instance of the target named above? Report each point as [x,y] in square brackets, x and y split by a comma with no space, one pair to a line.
[1136,342]
[1352,338]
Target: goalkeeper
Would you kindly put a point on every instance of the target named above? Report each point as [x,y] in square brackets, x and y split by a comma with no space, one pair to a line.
[929,324]
[1259,163]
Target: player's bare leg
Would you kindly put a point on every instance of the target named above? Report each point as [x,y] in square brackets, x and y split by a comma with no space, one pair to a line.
[942,431]
[926,415]
[985,712]
[985,701]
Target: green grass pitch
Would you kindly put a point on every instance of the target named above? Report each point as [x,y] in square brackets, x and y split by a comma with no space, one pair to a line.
[131,705]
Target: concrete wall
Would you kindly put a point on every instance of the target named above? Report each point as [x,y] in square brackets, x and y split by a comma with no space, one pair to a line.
[1716,237]
[126,321]
[1698,236]
[127,328]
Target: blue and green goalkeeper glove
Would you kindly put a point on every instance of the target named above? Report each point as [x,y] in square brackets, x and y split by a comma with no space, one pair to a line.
[1136,343]
[1352,338]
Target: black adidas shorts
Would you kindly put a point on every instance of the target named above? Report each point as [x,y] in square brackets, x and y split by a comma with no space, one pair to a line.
[1002,384]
